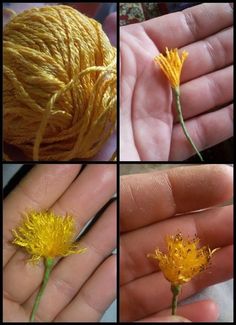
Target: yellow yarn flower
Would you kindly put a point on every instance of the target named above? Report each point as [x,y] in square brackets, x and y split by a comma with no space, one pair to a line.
[182,262]
[44,234]
[171,65]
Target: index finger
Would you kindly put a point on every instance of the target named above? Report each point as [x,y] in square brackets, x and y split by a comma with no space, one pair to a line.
[148,198]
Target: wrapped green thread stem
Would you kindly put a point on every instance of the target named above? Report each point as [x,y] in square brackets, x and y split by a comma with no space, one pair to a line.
[175,290]
[176,94]
[48,268]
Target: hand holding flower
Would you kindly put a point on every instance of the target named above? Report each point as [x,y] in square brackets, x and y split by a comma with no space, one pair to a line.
[150,128]
[80,286]
[157,204]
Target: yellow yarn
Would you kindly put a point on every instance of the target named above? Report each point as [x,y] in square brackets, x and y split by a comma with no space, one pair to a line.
[59,91]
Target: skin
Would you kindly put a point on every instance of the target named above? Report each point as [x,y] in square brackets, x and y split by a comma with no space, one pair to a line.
[149,129]
[82,286]
[155,204]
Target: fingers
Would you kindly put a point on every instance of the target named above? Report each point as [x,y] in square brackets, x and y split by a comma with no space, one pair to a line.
[192,24]
[200,311]
[42,186]
[88,194]
[214,53]
[72,272]
[213,227]
[205,93]
[110,27]
[13,312]
[151,293]
[148,198]
[205,130]
[94,298]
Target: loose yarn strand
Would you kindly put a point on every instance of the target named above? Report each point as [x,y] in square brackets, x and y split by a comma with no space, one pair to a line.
[9,12]
[59,84]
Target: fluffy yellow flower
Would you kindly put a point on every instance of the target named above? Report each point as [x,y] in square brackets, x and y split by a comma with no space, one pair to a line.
[171,65]
[183,260]
[44,234]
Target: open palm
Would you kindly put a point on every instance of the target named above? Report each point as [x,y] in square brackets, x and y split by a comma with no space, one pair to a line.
[149,129]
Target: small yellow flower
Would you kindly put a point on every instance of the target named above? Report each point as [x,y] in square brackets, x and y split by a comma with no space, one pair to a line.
[44,234]
[183,260]
[171,65]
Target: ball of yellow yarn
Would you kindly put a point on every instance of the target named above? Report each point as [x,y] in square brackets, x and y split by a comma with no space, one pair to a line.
[59,84]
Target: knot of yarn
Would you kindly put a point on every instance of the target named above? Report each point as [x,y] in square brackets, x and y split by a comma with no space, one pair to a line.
[59,84]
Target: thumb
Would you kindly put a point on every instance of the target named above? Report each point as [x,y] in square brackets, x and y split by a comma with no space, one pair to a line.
[168,319]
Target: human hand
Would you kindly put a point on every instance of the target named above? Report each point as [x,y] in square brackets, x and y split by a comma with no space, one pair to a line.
[149,128]
[109,26]
[153,205]
[80,287]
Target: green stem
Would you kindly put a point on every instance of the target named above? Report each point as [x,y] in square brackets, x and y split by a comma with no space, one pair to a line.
[48,269]
[175,290]
[176,94]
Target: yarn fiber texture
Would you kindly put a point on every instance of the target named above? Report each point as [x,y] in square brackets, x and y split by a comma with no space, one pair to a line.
[59,84]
